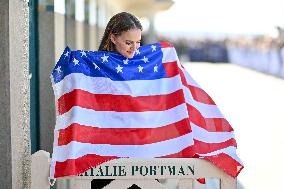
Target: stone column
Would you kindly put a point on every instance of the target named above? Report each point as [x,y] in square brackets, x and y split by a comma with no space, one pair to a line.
[46,64]
[15,153]
[151,35]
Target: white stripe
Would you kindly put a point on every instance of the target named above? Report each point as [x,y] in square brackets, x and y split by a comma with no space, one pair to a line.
[109,119]
[75,150]
[230,151]
[134,88]
[189,79]
[101,85]
[206,110]
[210,137]
[169,55]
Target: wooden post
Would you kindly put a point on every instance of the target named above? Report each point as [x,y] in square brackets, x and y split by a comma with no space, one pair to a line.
[185,184]
[40,170]
[228,182]
[81,183]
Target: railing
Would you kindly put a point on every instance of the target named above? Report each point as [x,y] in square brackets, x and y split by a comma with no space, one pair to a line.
[147,174]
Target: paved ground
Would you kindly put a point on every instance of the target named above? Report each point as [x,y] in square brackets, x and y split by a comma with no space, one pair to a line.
[254,105]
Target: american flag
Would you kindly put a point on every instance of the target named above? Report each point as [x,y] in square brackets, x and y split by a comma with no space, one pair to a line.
[149,106]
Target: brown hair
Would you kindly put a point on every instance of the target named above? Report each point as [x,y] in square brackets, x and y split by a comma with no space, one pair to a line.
[117,24]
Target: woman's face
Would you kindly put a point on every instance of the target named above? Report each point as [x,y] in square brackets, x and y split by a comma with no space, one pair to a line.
[127,43]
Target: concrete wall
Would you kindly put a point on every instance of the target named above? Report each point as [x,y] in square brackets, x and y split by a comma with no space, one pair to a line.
[14,96]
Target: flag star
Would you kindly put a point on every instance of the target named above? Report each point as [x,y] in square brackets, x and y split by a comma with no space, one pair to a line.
[104,58]
[145,59]
[83,53]
[96,66]
[125,61]
[58,69]
[156,68]
[66,54]
[140,68]
[119,69]
[137,51]
[76,62]
[153,48]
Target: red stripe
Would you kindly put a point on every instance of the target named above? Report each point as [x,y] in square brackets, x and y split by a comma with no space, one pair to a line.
[188,152]
[197,93]
[201,148]
[209,124]
[200,95]
[171,69]
[165,44]
[119,103]
[122,136]
[73,167]
[226,163]
[183,79]
[204,148]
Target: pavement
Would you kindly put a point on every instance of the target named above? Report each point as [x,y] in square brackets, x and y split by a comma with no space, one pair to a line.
[253,103]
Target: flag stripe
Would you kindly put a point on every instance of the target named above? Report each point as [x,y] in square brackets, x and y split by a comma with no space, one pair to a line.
[169,55]
[101,85]
[153,86]
[75,149]
[171,69]
[119,103]
[151,119]
[122,136]
[204,115]
[196,92]
[165,86]
[165,44]
[148,150]
[230,151]
[203,147]
[204,135]
[200,95]
[206,110]
[210,124]
[94,135]
[226,163]
[110,119]
[187,79]
[187,152]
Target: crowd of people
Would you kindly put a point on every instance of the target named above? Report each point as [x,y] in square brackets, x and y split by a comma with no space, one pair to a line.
[264,54]
[261,53]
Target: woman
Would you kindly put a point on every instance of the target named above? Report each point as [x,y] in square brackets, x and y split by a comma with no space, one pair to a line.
[122,35]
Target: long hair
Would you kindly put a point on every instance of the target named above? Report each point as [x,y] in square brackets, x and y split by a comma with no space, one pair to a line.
[119,23]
